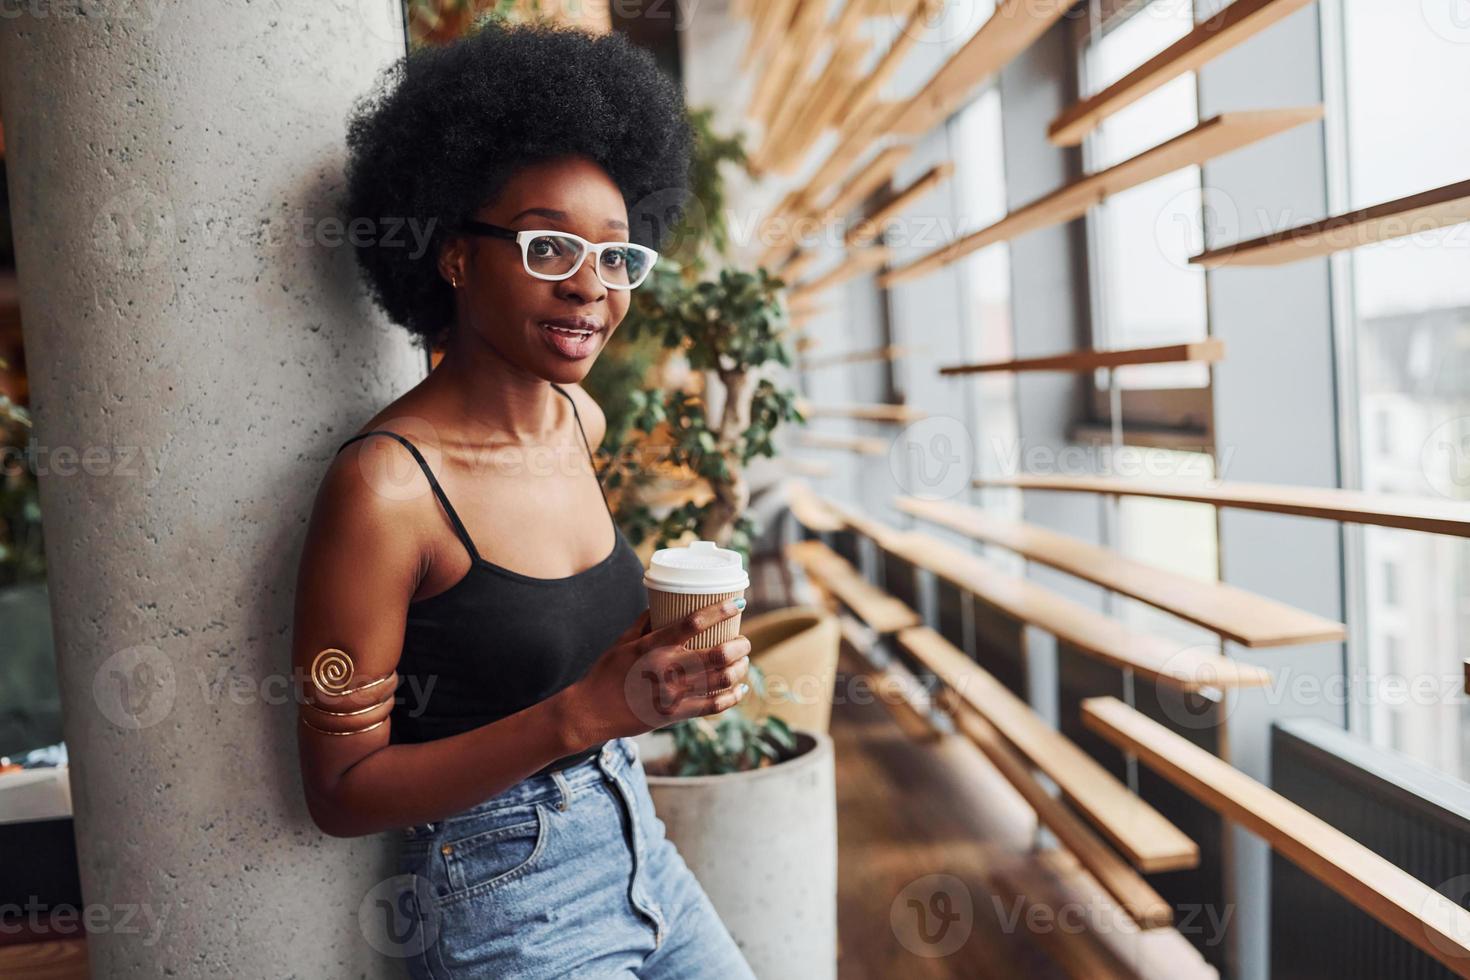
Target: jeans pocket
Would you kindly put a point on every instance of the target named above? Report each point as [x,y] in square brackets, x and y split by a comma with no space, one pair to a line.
[498,848]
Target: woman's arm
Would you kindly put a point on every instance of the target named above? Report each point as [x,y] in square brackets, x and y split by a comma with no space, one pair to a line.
[361,565]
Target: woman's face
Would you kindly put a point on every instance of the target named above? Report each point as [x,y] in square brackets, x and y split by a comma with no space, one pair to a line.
[509,309]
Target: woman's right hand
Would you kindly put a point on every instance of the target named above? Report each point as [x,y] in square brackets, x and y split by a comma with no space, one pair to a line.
[647,680]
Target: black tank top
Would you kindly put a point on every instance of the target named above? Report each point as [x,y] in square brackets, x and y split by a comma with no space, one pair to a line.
[497,642]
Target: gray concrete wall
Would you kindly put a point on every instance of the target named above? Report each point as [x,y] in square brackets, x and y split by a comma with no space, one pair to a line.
[201,352]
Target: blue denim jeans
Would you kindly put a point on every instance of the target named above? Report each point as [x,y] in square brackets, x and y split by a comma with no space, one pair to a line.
[567,874]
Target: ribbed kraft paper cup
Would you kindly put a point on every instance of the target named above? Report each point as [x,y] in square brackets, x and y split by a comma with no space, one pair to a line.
[681,580]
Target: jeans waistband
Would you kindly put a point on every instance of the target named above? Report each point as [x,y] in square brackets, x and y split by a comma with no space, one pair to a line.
[617,754]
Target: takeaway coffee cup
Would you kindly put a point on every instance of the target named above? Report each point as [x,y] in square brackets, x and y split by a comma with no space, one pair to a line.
[681,580]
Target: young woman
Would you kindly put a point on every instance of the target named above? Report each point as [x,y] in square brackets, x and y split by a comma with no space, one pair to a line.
[472,633]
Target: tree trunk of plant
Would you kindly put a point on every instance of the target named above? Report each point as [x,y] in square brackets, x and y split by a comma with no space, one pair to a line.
[732,496]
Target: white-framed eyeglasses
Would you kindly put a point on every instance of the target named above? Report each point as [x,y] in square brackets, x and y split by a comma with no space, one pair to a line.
[555,255]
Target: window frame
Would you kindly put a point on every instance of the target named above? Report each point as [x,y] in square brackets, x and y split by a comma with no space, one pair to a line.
[1180,418]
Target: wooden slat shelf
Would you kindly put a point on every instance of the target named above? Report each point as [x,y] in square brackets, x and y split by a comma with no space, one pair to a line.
[862,445]
[1092,633]
[1439,208]
[1210,38]
[872,413]
[867,180]
[870,226]
[1392,896]
[811,510]
[1162,661]
[881,611]
[1136,897]
[803,119]
[1206,351]
[857,263]
[1150,842]
[905,698]
[1235,614]
[1212,138]
[889,353]
[805,467]
[1350,506]
[1012,28]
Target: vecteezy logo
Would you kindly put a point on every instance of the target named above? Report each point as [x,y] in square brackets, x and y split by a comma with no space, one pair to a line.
[1449,19]
[933,458]
[134,688]
[1446,459]
[399,917]
[134,231]
[933,915]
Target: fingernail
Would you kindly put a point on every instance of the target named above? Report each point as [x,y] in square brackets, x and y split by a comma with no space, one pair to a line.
[744,689]
[739,603]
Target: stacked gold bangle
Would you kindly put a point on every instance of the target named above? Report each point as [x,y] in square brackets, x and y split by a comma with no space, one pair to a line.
[331,673]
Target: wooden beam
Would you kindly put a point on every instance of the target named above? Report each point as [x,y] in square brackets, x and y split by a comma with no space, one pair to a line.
[907,701]
[890,353]
[798,265]
[862,445]
[1134,895]
[1209,39]
[1439,208]
[878,172]
[862,98]
[1164,662]
[808,508]
[881,611]
[1246,618]
[805,467]
[856,264]
[870,413]
[1150,842]
[1349,506]
[1012,28]
[1212,138]
[1206,351]
[1431,921]
[870,227]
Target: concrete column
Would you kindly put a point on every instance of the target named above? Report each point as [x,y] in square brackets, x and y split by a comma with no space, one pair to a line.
[198,346]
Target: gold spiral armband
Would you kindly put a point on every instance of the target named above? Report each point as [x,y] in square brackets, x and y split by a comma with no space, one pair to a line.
[332,671]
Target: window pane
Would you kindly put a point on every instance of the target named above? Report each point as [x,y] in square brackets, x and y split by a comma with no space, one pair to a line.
[980,179]
[1408,129]
[1148,293]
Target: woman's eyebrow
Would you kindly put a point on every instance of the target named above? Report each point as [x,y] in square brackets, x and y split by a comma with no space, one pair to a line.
[556,215]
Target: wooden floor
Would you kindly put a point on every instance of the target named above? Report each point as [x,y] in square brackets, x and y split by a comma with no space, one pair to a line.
[927,830]
[64,959]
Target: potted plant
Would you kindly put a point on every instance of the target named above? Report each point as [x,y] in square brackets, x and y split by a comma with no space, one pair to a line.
[750,803]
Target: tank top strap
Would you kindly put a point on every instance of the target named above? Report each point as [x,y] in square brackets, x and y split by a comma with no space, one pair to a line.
[592,459]
[459,529]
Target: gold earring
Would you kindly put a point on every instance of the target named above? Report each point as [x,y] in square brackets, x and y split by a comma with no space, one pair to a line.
[454,281]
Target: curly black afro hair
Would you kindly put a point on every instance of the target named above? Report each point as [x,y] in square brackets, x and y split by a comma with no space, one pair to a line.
[445,128]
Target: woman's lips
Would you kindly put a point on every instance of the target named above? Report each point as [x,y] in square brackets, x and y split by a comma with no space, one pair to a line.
[570,336]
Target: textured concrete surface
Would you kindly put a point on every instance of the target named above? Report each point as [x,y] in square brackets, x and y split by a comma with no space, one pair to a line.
[197,348]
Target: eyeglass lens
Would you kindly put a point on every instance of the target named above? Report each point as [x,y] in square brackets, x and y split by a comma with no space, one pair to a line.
[554,255]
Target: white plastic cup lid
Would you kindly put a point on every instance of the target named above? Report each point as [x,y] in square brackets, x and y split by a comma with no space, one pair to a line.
[702,567]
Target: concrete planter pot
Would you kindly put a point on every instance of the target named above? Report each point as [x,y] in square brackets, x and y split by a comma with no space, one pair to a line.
[796,649]
[763,844]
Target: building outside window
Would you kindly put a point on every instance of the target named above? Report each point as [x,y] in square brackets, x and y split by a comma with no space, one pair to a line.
[1404,76]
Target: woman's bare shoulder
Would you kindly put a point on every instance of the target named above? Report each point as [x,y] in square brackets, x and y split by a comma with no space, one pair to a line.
[593,419]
